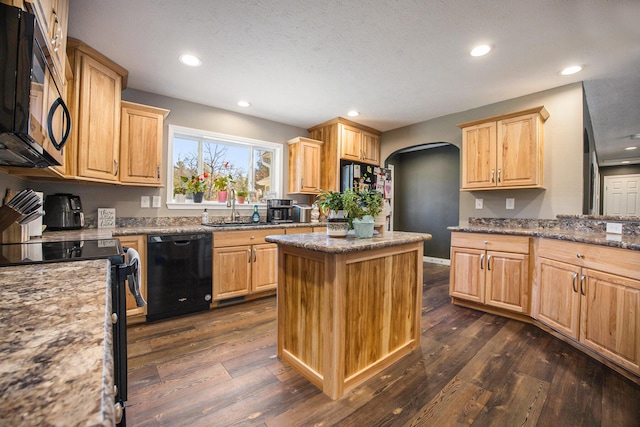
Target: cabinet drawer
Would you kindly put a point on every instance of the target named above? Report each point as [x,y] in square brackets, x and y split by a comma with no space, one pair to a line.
[496,242]
[236,238]
[623,262]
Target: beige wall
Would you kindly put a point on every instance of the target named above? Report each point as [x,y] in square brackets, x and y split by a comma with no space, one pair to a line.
[126,200]
[563,155]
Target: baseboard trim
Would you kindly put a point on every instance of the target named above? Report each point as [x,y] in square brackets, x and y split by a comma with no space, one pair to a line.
[434,260]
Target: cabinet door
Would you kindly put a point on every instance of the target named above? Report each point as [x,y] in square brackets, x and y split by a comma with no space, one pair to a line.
[231,271]
[610,320]
[467,274]
[507,278]
[139,244]
[350,143]
[310,167]
[370,148]
[479,156]
[559,296]
[141,144]
[519,152]
[99,120]
[264,271]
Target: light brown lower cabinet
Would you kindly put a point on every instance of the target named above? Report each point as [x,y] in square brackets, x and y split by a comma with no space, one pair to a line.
[599,309]
[137,242]
[491,270]
[243,263]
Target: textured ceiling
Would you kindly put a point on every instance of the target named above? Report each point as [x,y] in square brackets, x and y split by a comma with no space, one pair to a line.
[397,62]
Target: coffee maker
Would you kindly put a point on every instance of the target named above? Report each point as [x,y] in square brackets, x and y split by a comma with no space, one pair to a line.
[279,210]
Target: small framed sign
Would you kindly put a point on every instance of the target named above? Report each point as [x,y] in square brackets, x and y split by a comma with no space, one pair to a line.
[106,218]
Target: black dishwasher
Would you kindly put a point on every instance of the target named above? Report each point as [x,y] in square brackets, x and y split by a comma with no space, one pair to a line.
[179,274]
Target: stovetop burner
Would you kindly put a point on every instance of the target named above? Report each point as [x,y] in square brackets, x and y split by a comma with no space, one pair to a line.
[61,251]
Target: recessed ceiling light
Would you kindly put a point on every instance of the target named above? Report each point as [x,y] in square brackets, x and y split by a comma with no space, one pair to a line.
[190,60]
[631,148]
[571,70]
[624,162]
[480,50]
[353,113]
[244,104]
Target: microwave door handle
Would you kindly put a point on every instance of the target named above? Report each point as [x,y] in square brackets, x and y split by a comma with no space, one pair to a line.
[67,119]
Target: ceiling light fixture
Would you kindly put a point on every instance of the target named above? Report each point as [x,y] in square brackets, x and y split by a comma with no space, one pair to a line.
[571,70]
[190,60]
[353,113]
[631,148]
[481,50]
[244,104]
[624,162]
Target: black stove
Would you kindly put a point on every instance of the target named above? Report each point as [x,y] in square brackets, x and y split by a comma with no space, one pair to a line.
[61,251]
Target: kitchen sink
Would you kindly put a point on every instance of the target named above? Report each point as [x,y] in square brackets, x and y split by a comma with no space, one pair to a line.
[236,224]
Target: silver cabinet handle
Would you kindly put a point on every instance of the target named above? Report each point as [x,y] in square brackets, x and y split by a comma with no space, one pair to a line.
[301,182]
[248,255]
[499,175]
[482,262]
[158,171]
[574,284]
[117,167]
[489,263]
[119,412]
[493,175]
[582,291]
[114,318]
[579,255]
[255,255]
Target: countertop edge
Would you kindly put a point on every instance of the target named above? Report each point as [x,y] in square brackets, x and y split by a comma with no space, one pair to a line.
[593,238]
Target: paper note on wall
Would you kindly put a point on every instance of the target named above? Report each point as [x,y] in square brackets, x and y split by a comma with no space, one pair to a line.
[106,218]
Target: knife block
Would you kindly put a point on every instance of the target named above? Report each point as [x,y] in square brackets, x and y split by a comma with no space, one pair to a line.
[10,230]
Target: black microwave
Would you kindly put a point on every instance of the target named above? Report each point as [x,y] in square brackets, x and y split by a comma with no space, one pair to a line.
[34,120]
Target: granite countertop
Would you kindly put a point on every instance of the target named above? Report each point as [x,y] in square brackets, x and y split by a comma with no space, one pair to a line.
[623,241]
[56,360]
[107,233]
[335,245]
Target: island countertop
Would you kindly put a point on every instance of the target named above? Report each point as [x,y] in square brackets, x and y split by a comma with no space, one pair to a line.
[335,245]
[56,361]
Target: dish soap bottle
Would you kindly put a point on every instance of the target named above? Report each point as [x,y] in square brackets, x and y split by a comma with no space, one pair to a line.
[256,216]
[205,217]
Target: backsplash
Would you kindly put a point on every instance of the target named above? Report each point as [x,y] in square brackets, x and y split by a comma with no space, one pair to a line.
[585,223]
[173,221]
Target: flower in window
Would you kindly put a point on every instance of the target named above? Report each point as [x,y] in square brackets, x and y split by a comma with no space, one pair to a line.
[197,183]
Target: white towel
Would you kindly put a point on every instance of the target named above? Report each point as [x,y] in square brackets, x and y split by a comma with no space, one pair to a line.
[133,261]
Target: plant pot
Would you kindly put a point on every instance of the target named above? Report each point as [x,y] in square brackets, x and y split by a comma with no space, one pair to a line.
[197,197]
[363,227]
[337,227]
[336,214]
[241,199]
[222,196]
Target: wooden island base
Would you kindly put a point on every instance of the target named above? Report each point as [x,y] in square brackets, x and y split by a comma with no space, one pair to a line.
[343,316]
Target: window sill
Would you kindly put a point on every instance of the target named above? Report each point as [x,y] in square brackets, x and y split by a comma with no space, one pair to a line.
[212,206]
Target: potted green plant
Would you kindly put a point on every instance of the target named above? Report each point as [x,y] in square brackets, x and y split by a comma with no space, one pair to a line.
[179,193]
[220,184]
[332,205]
[197,184]
[361,208]
[241,195]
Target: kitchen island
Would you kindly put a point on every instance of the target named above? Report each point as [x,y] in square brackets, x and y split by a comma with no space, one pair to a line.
[347,308]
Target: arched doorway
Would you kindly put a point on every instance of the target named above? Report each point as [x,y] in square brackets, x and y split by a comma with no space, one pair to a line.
[427,194]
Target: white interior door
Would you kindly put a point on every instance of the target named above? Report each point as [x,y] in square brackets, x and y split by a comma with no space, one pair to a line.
[622,195]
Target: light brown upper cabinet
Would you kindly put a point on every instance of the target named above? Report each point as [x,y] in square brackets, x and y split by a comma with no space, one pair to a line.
[98,82]
[141,144]
[305,157]
[504,152]
[53,17]
[344,140]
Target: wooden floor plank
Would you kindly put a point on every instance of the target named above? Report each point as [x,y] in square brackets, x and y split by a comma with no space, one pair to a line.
[219,368]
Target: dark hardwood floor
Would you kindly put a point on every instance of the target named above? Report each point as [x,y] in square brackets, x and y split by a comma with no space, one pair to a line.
[220,368]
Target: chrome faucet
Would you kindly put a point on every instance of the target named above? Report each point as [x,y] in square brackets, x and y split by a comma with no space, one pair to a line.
[235,215]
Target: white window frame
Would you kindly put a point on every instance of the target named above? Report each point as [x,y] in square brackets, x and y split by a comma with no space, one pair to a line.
[277,169]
